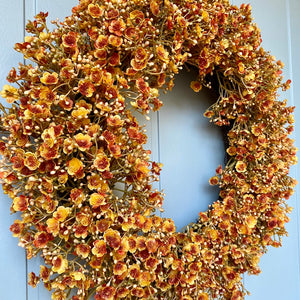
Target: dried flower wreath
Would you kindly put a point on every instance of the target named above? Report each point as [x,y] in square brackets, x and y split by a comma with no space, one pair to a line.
[74,163]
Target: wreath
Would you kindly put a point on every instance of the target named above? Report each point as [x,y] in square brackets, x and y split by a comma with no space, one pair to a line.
[74,163]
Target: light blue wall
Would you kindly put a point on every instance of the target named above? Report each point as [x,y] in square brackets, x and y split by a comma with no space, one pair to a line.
[186,143]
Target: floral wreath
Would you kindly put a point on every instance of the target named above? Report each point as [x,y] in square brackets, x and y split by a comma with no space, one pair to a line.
[74,164]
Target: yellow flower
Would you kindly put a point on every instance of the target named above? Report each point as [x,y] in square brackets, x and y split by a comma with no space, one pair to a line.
[162,53]
[74,166]
[196,86]
[10,93]
[49,78]
[241,167]
[78,276]
[96,200]
[62,213]
[59,264]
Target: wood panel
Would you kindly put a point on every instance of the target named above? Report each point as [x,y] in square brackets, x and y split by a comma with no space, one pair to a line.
[12,257]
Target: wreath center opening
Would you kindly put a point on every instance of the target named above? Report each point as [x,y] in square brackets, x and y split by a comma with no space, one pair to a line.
[190,148]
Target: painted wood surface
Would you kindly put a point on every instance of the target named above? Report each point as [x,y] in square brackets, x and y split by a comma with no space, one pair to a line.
[186,143]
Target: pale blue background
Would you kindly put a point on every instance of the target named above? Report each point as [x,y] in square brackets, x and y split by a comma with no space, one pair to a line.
[186,143]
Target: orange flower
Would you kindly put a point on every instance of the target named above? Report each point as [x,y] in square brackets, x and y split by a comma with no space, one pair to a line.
[80,113]
[53,226]
[41,239]
[154,7]
[31,161]
[115,41]
[132,244]
[152,245]
[168,226]
[44,273]
[138,65]
[83,250]
[33,280]
[112,238]
[17,227]
[120,268]
[251,221]
[97,200]
[62,213]
[70,39]
[241,167]
[77,196]
[99,248]
[83,141]
[162,53]
[214,180]
[241,68]
[137,16]
[20,203]
[95,11]
[117,27]
[196,86]
[74,166]
[122,292]
[115,121]
[78,276]
[96,183]
[151,263]
[10,93]
[145,278]
[49,78]
[101,162]
[105,292]
[59,264]
[101,42]
[103,225]
[47,95]
[96,76]
[86,88]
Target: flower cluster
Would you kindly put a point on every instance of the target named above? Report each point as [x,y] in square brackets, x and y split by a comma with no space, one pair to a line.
[74,163]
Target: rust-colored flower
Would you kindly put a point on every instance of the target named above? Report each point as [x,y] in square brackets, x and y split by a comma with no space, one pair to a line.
[168,226]
[70,40]
[101,42]
[44,273]
[101,162]
[96,183]
[120,268]
[31,161]
[112,238]
[41,239]
[99,248]
[95,11]
[86,88]
[83,141]
[49,78]
[115,41]
[105,292]
[241,167]
[59,264]
[83,250]
[196,86]
[20,203]
[117,27]
[17,228]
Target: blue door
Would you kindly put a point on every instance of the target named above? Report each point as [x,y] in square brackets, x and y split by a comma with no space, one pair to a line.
[183,140]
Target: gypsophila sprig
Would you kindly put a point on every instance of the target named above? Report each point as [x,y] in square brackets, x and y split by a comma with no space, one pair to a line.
[74,163]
